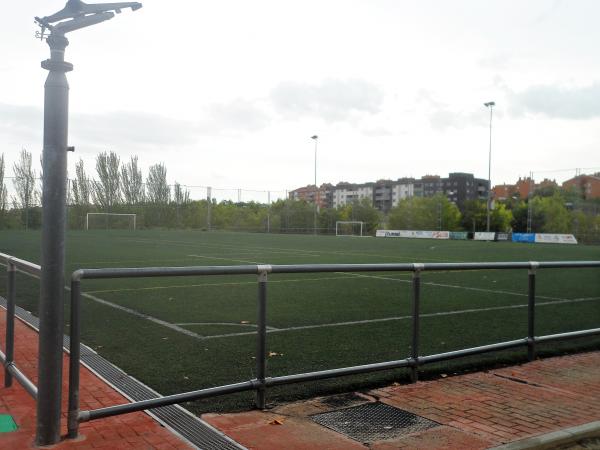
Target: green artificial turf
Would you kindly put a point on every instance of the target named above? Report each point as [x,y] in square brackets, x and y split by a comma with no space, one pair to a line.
[309,313]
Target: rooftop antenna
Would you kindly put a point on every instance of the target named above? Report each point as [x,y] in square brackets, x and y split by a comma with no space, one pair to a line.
[74,16]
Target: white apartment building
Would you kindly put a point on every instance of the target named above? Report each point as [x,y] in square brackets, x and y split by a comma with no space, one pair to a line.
[344,194]
[401,191]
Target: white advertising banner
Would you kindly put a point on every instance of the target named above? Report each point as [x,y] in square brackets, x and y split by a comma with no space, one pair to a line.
[547,238]
[484,236]
[414,234]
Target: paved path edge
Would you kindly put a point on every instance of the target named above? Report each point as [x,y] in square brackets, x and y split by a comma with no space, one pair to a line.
[550,440]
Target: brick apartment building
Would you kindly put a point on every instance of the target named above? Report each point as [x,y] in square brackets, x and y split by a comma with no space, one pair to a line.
[587,185]
[520,189]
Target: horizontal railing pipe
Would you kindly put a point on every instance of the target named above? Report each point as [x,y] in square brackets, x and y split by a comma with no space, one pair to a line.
[472,351]
[332,373]
[150,272]
[569,335]
[85,416]
[19,376]
[21,264]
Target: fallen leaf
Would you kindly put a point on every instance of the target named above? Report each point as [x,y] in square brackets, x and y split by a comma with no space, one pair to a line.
[165,338]
[245,321]
[273,354]
[276,422]
[443,375]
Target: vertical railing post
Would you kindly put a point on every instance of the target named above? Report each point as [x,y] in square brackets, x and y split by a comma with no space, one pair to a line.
[74,359]
[11,272]
[416,292]
[261,347]
[531,312]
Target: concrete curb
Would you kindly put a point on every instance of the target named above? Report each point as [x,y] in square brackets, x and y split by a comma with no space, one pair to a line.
[551,440]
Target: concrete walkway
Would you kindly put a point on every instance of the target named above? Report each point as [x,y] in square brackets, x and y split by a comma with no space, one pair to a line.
[474,411]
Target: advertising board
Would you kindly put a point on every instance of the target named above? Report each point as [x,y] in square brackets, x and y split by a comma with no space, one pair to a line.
[523,237]
[548,238]
[414,234]
[484,236]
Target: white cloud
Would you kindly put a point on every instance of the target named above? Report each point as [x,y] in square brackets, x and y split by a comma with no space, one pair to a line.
[332,100]
[558,102]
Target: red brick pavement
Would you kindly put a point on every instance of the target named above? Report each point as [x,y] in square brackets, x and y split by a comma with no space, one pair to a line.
[476,411]
[130,431]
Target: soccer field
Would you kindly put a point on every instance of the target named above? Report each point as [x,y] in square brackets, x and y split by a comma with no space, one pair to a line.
[178,334]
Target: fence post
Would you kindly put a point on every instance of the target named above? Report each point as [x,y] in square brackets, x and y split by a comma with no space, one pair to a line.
[261,348]
[74,359]
[531,312]
[11,272]
[416,291]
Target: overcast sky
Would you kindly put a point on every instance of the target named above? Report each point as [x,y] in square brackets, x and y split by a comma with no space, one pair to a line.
[227,93]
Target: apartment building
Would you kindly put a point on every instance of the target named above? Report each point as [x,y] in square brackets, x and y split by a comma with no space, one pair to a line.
[521,189]
[458,187]
[587,185]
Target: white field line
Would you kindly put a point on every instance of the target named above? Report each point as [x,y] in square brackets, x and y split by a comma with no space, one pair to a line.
[453,286]
[285,250]
[133,312]
[226,324]
[232,283]
[189,333]
[129,311]
[226,259]
[343,275]
[389,319]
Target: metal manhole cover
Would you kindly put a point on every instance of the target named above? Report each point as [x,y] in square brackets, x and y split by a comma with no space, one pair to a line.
[373,422]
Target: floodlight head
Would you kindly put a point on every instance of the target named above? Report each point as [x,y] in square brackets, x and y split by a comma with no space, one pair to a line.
[314,137]
[488,104]
[82,15]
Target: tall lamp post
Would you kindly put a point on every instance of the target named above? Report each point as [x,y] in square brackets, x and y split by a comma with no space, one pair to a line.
[316,139]
[489,196]
[74,16]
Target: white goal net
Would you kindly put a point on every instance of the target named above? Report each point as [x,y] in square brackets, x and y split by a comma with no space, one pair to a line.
[349,228]
[110,221]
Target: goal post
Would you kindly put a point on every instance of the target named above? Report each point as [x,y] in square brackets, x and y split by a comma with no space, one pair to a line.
[131,222]
[349,228]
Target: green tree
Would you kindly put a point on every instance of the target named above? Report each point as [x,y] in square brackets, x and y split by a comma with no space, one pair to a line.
[425,213]
[555,218]
[24,183]
[501,218]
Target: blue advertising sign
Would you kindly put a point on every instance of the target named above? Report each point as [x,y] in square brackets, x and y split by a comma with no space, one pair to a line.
[523,237]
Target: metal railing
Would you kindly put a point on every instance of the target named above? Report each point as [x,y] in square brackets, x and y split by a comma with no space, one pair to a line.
[10,369]
[262,381]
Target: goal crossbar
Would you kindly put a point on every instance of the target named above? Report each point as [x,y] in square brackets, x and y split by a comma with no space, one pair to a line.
[87,218]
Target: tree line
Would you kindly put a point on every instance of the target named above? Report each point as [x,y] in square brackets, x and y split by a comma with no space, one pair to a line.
[121,188]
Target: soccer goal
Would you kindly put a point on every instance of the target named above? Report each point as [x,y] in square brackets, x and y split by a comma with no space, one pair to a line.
[349,228]
[96,221]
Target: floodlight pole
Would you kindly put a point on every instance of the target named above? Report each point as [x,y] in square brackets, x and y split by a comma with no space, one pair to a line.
[52,285]
[74,16]
[316,139]
[489,193]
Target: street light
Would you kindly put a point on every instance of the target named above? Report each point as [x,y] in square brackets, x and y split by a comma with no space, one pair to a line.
[316,139]
[489,196]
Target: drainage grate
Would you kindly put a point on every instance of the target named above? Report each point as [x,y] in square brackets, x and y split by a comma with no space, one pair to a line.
[373,422]
[193,429]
